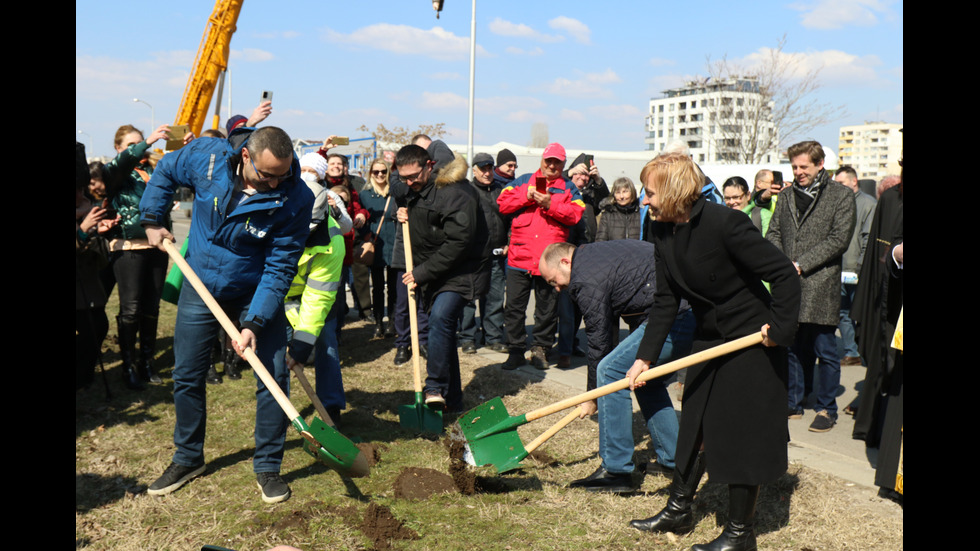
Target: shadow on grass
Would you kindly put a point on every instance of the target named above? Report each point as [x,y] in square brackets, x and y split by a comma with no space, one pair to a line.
[93,491]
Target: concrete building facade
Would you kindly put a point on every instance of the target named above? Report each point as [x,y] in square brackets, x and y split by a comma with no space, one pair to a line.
[872,148]
[721,120]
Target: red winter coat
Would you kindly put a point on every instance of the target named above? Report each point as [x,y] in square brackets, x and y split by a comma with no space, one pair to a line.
[533,228]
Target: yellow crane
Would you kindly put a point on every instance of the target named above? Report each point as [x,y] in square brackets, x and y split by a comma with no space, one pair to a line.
[210,63]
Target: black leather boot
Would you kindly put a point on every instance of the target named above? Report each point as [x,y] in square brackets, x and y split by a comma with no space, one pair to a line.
[379,329]
[232,369]
[148,345]
[678,515]
[739,532]
[127,329]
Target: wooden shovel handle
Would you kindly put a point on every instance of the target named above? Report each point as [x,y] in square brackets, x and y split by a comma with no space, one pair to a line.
[305,383]
[533,444]
[670,367]
[413,315]
[231,330]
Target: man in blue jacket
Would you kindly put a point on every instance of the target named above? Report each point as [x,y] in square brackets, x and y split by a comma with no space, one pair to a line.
[250,221]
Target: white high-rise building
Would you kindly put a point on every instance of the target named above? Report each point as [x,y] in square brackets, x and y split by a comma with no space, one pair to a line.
[872,148]
[721,120]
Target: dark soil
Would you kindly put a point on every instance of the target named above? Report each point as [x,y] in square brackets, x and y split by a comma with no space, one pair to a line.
[463,477]
[421,483]
[382,527]
[543,458]
[372,452]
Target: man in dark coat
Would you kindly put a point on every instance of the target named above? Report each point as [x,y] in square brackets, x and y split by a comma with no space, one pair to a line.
[492,303]
[607,280]
[449,239]
[813,225]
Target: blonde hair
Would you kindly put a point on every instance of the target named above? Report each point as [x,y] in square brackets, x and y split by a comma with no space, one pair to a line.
[370,177]
[676,180]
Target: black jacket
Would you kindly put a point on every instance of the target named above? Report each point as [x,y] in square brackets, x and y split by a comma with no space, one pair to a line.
[498,225]
[608,280]
[449,235]
[619,222]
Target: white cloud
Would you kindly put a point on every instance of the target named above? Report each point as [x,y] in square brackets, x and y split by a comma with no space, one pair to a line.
[252,54]
[836,14]
[591,85]
[836,67]
[571,115]
[278,34]
[524,115]
[437,43]
[101,77]
[503,27]
[520,51]
[580,31]
[443,100]
[661,62]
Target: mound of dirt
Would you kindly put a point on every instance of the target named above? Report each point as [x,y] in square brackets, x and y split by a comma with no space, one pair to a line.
[463,477]
[421,483]
[372,452]
[382,527]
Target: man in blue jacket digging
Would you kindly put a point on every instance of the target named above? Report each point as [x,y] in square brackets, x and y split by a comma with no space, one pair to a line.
[250,221]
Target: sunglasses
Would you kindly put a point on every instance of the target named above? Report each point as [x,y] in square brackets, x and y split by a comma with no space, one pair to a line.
[379,172]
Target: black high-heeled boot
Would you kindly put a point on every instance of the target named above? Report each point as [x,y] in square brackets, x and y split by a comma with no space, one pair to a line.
[739,532]
[148,345]
[126,330]
[678,515]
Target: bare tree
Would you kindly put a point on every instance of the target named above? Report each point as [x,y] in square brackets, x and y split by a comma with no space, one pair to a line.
[767,104]
[399,136]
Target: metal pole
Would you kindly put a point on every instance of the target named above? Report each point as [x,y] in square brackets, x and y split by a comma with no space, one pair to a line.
[469,140]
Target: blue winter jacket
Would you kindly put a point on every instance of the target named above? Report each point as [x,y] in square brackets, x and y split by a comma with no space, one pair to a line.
[237,249]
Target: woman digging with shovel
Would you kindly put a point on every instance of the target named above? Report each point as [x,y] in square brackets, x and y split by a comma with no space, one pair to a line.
[734,422]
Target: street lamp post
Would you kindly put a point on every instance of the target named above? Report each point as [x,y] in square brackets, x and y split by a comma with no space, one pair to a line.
[153,117]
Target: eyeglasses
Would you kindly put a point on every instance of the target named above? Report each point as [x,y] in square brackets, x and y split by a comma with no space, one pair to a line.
[379,172]
[265,176]
[412,178]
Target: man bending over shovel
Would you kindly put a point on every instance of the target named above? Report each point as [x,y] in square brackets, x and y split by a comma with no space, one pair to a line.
[251,218]
[607,280]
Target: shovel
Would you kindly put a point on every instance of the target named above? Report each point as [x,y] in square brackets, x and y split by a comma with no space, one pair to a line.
[508,459]
[322,440]
[491,433]
[417,416]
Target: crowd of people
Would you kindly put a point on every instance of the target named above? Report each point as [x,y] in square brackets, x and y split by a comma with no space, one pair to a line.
[279,239]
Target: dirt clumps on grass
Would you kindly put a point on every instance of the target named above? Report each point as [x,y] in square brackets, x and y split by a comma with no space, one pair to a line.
[422,483]
[372,452]
[463,477]
[381,526]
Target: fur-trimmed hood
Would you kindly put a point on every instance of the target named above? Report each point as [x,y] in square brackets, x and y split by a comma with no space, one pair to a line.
[452,172]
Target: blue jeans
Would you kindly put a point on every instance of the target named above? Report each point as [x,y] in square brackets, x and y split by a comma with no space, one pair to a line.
[195,331]
[846,325]
[443,363]
[812,342]
[403,324]
[616,410]
[491,309]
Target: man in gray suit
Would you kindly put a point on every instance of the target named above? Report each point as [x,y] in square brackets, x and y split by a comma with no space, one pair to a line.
[813,227]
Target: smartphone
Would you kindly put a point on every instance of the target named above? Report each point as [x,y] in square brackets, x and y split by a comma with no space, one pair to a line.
[175,139]
[590,161]
[541,184]
[266,96]
[777,180]
[341,140]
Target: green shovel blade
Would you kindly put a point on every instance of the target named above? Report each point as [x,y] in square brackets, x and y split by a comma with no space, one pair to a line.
[420,417]
[491,434]
[334,449]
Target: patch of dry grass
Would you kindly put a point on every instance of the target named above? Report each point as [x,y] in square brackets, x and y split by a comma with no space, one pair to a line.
[122,446]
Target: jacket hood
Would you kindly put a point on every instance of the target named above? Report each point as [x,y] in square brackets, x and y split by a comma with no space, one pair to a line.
[451,172]
[578,160]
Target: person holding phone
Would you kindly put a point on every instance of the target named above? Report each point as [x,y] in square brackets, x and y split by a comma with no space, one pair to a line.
[544,207]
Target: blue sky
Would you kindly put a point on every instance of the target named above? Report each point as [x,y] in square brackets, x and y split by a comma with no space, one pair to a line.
[587,69]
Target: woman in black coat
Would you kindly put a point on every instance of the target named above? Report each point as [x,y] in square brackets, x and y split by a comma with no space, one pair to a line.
[734,406]
[620,217]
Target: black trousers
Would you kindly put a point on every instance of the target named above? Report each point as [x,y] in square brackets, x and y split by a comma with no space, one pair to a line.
[519,286]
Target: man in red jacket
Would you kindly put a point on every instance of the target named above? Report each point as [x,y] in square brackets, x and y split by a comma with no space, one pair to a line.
[543,207]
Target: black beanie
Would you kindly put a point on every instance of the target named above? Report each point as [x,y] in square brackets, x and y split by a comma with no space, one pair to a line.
[505,156]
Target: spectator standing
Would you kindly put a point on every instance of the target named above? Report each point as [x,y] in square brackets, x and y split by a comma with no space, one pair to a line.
[543,207]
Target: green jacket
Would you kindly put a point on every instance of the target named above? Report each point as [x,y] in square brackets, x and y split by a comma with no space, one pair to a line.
[125,186]
[313,291]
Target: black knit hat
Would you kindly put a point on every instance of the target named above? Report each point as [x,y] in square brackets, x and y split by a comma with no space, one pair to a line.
[505,156]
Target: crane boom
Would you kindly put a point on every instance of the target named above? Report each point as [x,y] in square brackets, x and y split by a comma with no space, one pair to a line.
[211,60]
